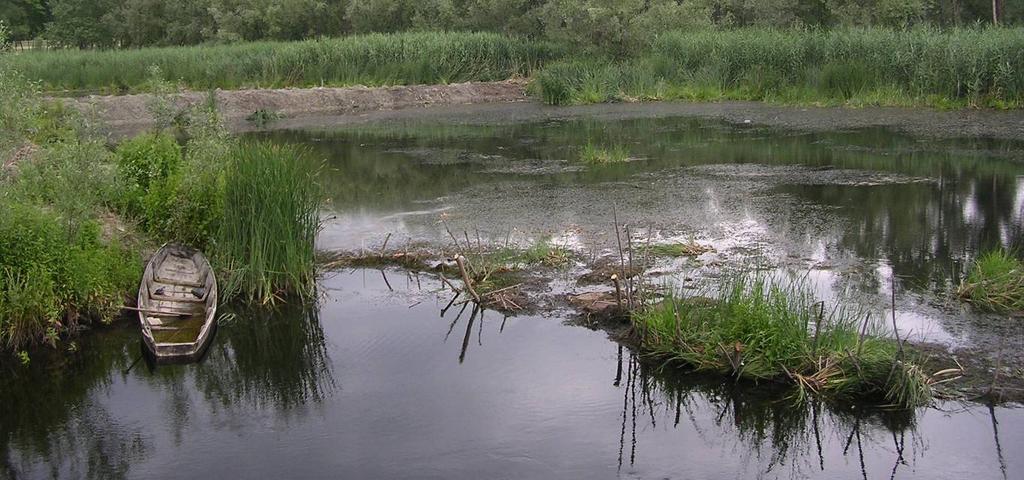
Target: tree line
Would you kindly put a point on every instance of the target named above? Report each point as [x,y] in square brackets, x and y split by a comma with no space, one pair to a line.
[136,23]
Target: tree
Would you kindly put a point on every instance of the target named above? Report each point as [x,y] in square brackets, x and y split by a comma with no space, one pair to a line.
[25,19]
[82,23]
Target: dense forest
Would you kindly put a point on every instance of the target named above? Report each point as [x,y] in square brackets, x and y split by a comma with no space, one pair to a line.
[133,23]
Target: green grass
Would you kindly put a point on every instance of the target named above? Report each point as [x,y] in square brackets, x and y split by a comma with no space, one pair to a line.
[763,330]
[996,283]
[867,66]
[373,59]
[595,155]
[270,221]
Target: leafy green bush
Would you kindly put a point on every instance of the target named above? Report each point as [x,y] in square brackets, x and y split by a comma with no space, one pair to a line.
[145,166]
[49,280]
[148,158]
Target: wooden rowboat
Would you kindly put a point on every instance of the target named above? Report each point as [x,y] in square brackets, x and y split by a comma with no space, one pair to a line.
[177,304]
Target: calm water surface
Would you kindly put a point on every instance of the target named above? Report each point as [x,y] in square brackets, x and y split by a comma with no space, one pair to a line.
[376,383]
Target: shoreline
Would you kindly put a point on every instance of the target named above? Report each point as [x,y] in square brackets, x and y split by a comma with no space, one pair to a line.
[508,102]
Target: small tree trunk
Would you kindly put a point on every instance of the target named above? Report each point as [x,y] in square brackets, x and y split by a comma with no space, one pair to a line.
[995,12]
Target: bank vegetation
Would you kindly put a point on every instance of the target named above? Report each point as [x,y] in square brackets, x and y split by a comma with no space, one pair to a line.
[80,216]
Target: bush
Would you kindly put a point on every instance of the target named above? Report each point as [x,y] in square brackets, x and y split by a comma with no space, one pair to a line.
[50,280]
[148,158]
[147,166]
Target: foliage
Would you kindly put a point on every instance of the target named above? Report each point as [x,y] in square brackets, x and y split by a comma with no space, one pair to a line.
[690,249]
[5,36]
[996,283]
[49,281]
[977,67]
[146,160]
[616,26]
[271,217]
[375,59]
[763,330]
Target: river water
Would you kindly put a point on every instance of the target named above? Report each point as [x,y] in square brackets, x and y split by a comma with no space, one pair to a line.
[377,382]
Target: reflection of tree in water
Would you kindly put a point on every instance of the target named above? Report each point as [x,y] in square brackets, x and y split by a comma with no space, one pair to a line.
[50,421]
[925,230]
[55,415]
[268,360]
[772,427]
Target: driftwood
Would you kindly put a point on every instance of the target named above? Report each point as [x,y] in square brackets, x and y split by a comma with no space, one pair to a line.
[461,261]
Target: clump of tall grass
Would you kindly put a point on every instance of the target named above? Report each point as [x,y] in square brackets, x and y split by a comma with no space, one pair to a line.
[373,59]
[271,217]
[763,330]
[995,283]
[958,67]
[595,155]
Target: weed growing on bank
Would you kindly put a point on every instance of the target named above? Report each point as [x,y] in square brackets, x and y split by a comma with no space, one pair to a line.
[995,283]
[758,329]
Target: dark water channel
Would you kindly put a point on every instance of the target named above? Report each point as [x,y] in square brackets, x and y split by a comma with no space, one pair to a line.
[376,383]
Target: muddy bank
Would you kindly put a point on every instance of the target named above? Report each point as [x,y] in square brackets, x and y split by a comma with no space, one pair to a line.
[926,122]
[507,102]
[127,114]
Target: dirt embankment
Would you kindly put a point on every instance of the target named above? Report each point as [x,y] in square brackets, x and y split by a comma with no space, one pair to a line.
[131,113]
[507,101]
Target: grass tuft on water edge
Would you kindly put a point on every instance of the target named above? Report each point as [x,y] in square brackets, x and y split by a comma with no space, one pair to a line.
[996,283]
[595,155]
[760,329]
[270,221]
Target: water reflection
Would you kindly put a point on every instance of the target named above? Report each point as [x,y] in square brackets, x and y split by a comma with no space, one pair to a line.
[269,360]
[770,427]
[854,208]
[85,415]
[426,396]
[923,207]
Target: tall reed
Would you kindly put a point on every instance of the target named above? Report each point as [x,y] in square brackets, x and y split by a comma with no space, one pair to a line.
[977,67]
[374,59]
[265,243]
